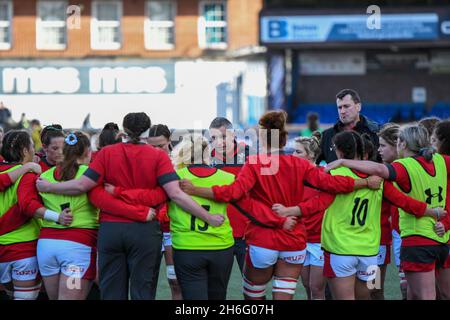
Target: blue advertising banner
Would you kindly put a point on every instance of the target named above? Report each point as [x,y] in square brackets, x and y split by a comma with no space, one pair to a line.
[338,28]
[86,77]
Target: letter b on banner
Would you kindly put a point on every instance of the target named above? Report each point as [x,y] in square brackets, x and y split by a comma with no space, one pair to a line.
[277,29]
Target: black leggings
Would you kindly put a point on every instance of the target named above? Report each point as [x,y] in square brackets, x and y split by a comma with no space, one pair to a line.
[128,254]
[203,274]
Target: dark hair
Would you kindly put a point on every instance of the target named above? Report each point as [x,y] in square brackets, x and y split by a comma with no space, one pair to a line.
[442,133]
[312,119]
[389,132]
[355,96]
[160,130]
[134,124]
[429,123]
[369,147]
[70,166]
[50,132]
[111,126]
[14,142]
[275,120]
[221,122]
[312,116]
[350,144]
[35,122]
[108,135]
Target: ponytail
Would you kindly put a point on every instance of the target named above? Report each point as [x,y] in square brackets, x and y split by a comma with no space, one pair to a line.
[75,146]
[136,126]
[427,153]
[69,169]
[416,140]
[350,144]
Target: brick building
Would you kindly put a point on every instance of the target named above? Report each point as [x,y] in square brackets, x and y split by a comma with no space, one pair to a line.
[63,59]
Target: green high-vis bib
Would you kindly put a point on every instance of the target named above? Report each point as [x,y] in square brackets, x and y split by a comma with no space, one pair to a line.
[426,188]
[85,215]
[29,231]
[192,233]
[351,224]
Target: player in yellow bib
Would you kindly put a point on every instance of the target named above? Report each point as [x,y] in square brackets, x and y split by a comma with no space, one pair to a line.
[9,178]
[351,226]
[67,254]
[203,254]
[20,207]
[422,175]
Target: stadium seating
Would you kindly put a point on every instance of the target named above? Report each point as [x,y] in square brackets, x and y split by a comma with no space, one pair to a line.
[379,112]
[441,110]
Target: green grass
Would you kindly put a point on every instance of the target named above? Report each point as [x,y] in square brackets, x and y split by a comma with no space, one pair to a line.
[391,291]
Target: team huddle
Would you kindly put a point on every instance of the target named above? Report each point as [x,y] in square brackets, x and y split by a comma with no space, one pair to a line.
[71,219]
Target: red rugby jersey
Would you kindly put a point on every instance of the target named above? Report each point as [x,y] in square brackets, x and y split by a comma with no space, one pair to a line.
[93,155]
[279,178]
[5,181]
[128,166]
[233,164]
[313,209]
[163,217]
[395,223]
[386,230]
[250,209]
[45,165]
[28,201]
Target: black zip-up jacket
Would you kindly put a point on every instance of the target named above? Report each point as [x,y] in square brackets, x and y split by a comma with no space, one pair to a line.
[363,126]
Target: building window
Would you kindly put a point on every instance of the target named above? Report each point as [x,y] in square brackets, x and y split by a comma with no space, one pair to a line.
[51,33]
[159,30]
[5,24]
[105,25]
[213,25]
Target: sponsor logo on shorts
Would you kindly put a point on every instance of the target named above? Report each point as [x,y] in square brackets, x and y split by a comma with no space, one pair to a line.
[25,272]
[367,273]
[296,258]
[75,269]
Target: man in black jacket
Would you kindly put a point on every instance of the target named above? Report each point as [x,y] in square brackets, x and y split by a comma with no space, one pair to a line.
[349,108]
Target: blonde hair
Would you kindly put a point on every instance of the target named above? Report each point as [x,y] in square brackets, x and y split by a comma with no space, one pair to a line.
[311,144]
[193,149]
[389,132]
[416,139]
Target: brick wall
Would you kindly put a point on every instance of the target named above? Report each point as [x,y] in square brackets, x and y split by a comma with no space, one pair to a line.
[242,31]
